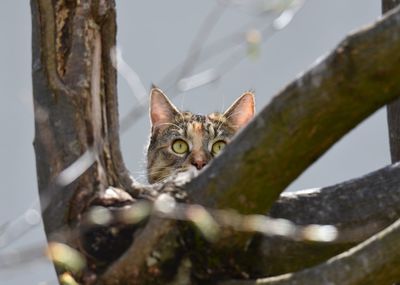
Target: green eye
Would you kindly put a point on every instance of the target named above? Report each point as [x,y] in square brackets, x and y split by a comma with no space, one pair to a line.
[217,147]
[180,146]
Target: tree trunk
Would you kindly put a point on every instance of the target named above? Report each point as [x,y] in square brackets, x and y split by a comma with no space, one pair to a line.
[76,119]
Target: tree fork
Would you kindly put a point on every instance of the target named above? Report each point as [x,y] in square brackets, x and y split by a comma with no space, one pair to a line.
[355,82]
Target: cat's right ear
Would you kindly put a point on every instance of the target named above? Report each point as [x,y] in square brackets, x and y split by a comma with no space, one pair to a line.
[162,111]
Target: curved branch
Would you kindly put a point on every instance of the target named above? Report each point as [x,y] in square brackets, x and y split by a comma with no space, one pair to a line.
[375,261]
[377,196]
[304,120]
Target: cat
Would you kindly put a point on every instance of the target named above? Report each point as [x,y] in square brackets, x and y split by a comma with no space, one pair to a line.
[182,140]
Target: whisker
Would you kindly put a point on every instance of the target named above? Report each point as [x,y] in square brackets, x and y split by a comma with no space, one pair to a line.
[156,172]
[175,171]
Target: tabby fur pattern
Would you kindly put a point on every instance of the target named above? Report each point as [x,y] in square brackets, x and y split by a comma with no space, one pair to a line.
[182,140]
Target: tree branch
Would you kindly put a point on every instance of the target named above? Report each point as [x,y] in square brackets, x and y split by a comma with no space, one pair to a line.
[377,200]
[304,120]
[375,261]
[140,264]
[376,195]
[393,109]
[388,5]
[119,175]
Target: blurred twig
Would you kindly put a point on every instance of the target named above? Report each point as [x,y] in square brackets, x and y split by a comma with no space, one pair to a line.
[177,80]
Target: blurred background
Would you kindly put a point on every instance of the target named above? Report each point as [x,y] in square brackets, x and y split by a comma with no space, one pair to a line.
[154,37]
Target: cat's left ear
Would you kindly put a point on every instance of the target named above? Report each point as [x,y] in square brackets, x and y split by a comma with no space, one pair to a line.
[162,111]
[241,111]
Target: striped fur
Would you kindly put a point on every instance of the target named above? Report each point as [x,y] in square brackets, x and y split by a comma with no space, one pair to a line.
[199,131]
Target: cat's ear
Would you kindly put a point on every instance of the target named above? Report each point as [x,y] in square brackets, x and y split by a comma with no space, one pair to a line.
[162,111]
[241,111]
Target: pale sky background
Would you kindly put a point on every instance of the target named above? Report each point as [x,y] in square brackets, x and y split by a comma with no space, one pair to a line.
[154,36]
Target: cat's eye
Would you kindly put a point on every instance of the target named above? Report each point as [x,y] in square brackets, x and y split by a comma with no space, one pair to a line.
[217,147]
[180,146]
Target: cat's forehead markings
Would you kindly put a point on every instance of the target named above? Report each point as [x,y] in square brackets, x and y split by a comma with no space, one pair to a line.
[197,127]
[173,129]
[181,131]
[183,117]
[210,129]
[189,129]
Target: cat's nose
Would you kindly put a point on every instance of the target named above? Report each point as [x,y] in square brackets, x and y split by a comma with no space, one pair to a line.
[199,163]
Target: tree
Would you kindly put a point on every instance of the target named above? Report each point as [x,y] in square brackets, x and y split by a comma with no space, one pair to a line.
[76,122]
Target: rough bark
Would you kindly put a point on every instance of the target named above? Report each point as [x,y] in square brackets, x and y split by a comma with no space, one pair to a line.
[389,5]
[393,109]
[75,105]
[358,208]
[159,241]
[375,261]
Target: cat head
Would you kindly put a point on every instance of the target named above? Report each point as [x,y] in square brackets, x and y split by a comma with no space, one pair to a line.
[181,140]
